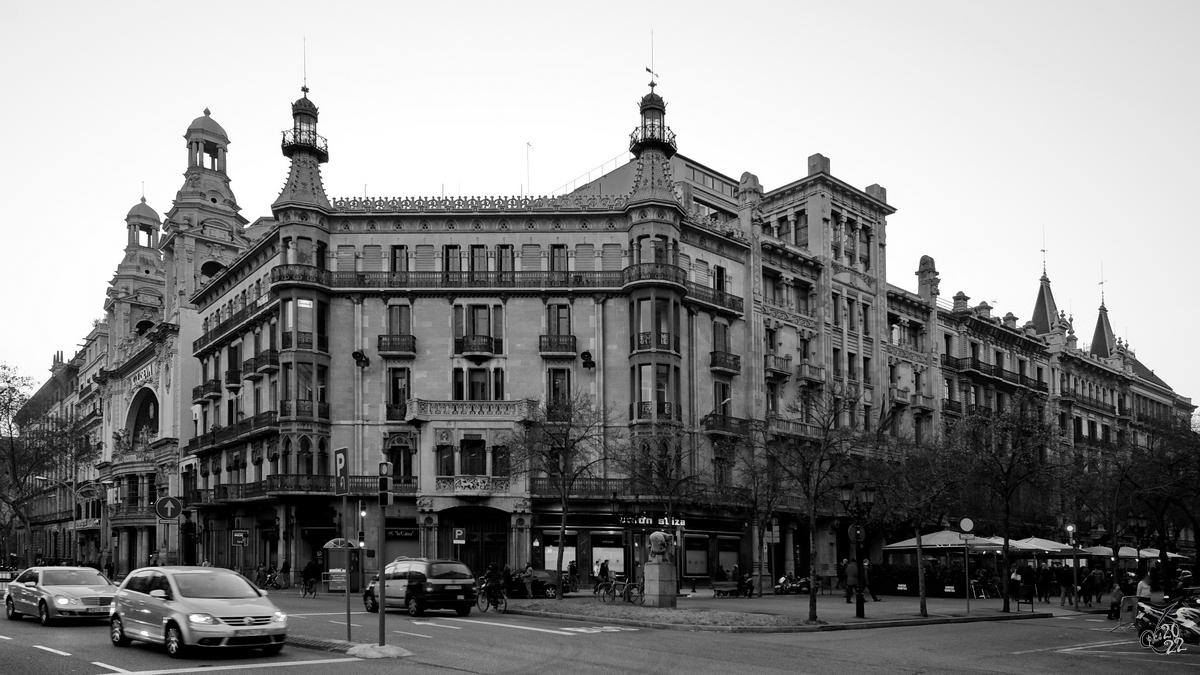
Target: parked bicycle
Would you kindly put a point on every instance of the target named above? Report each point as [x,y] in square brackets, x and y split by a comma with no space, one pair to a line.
[629,591]
[274,582]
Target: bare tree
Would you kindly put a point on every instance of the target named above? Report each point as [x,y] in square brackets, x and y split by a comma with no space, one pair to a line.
[814,446]
[562,443]
[754,486]
[21,457]
[1009,452]
[916,482]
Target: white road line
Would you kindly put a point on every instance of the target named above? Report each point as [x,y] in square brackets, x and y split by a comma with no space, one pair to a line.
[242,666]
[1085,644]
[1102,644]
[439,625]
[413,634]
[52,651]
[307,614]
[343,623]
[4,637]
[513,625]
[112,668]
[1096,620]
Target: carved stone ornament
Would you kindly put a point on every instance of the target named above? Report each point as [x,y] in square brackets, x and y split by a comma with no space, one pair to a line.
[444,437]
[521,506]
[425,504]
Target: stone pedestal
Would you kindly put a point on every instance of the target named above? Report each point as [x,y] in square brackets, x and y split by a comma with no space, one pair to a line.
[661,586]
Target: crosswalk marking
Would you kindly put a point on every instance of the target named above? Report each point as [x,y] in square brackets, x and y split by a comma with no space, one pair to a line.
[517,627]
[112,668]
[439,625]
[242,666]
[53,651]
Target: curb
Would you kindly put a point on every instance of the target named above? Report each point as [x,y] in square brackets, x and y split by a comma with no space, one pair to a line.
[320,644]
[892,623]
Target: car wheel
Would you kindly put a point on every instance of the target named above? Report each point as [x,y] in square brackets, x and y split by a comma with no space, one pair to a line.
[548,591]
[273,649]
[371,604]
[413,607]
[10,610]
[116,632]
[44,614]
[175,647]
[463,611]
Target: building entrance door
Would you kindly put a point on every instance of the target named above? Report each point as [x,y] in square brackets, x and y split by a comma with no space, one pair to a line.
[486,531]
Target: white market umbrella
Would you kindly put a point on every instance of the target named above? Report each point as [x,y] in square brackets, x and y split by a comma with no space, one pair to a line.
[1124,552]
[1046,545]
[1153,553]
[944,539]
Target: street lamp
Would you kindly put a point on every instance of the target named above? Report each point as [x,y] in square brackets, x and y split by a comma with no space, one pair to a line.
[858,506]
[1138,526]
[1074,565]
[74,523]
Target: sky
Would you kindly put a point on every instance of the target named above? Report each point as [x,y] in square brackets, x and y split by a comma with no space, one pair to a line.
[998,129]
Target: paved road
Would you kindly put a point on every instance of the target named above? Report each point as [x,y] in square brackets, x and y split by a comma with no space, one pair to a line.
[485,643]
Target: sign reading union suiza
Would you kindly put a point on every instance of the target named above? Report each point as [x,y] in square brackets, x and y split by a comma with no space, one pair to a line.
[647,520]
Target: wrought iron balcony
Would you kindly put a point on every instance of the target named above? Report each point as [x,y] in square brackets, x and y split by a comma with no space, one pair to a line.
[949,406]
[649,410]
[788,427]
[516,411]
[477,345]
[713,297]
[245,429]
[252,308]
[396,412]
[294,139]
[725,362]
[654,272]
[648,133]
[248,371]
[654,342]
[557,345]
[240,492]
[267,361]
[399,346]
[199,496]
[233,380]
[304,409]
[724,424]
[318,485]
[208,389]
[603,488]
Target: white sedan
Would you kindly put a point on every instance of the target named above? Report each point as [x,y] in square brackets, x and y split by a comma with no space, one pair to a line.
[59,592]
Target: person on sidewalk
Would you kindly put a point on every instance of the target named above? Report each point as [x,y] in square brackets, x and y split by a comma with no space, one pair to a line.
[852,580]
[1144,589]
[1066,581]
[866,579]
[841,575]
[1045,580]
[1087,589]
[1114,606]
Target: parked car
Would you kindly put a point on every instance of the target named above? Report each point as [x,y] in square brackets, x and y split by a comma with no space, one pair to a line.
[419,584]
[186,607]
[52,593]
[544,585]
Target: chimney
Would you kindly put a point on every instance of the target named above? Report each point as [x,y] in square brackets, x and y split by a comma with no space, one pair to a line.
[877,191]
[960,302]
[984,310]
[818,163]
[1010,321]
[927,279]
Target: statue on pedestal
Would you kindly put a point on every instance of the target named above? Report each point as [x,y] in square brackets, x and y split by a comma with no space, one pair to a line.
[662,546]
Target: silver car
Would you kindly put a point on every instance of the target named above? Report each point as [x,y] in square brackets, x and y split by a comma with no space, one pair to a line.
[187,607]
[59,592]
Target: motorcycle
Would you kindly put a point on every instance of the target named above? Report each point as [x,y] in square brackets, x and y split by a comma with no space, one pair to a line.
[1166,628]
[792,584]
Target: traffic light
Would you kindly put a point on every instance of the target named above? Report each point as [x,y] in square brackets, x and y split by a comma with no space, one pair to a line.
[362,508]
[362,539]
[385,491]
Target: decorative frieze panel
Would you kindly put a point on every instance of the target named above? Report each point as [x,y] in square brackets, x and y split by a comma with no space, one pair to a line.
[473,484]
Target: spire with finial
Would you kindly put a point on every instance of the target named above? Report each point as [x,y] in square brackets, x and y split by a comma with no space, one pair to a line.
[308,150]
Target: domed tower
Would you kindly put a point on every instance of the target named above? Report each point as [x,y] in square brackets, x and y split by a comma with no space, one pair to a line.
[308,150]
[654,281]
[135,294]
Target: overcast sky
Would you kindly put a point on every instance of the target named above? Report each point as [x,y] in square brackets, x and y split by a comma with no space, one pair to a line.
[992,125]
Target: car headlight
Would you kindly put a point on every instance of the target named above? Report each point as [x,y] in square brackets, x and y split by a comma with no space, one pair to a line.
[64,600]
[202,618]
[280,617]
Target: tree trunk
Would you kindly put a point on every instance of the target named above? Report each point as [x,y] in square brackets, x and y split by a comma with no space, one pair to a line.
[812,563]
[920,569]
[1004,573]
[562,546]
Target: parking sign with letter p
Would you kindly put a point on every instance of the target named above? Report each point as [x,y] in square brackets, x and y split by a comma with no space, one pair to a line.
[341,466]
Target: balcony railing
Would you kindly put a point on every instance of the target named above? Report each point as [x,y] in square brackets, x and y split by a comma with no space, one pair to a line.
[397,412]
[556,344]
[651,132]
[922,401]
[309,409]
[663,410]
[952,406]
[323,485]
[293,138]
[236,492]
[582,487]
[208,389]
[397,345]
[725,362]
[778,366]
[784,426]
[199,496]
[267,361]
[900,395]
[811,373]
[714,297]
[424,411]
[654,272]
[1096,403]
[248,371]
[654,341]
[478,344]
[245,428]
[724,424]
[472,484]
[446,279]
[130,512]
[252,308]
[233,379]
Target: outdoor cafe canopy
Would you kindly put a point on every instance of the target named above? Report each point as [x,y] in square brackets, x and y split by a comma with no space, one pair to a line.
[944,539]
[1047,545]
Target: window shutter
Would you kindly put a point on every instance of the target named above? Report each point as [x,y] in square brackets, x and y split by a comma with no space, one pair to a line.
[611,257]
[531,258]
[345,258]
[425,258]
[585,257]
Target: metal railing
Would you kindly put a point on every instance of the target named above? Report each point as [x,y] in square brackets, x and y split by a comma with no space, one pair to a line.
[725,424]
[304,137]
[725,361]
[397,344]
[654,341]
[478,344]
[651,132]
[556,344]
[714,297]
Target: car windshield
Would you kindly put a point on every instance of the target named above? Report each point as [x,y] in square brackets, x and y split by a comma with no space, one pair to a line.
[449,571]
[211,585]
[73,578]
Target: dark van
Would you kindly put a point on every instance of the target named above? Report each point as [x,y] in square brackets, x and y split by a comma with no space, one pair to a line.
[418,584]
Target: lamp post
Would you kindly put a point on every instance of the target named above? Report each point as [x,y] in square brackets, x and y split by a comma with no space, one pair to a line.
[1074,565]
[858,507]
[74,501]
[1138,526]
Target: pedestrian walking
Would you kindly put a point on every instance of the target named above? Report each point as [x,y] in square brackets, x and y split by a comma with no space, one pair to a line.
[841,575]
[866,579]
[1087,589]
[527,578]
[285,572]
[852,580]
[1066,581]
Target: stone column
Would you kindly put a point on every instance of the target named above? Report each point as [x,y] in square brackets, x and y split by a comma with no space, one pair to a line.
[141,553]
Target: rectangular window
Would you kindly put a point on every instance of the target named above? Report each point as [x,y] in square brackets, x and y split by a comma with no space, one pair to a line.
[399,320]
[478,258]
[445,459]
[474,458]
[722,403]
[304,381]
[399,259]
[322,383]
[498,329]
[852,365]
[398,391]
[720,337]
[866,370]
[558,258]
[501,466]
[866,319]
[451,258]
[459,392]
[558,320]
[304,318]
[837,309]
[505,259]
[837,362]
[286,380]
[498,384]
[477,384]
[558,390]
